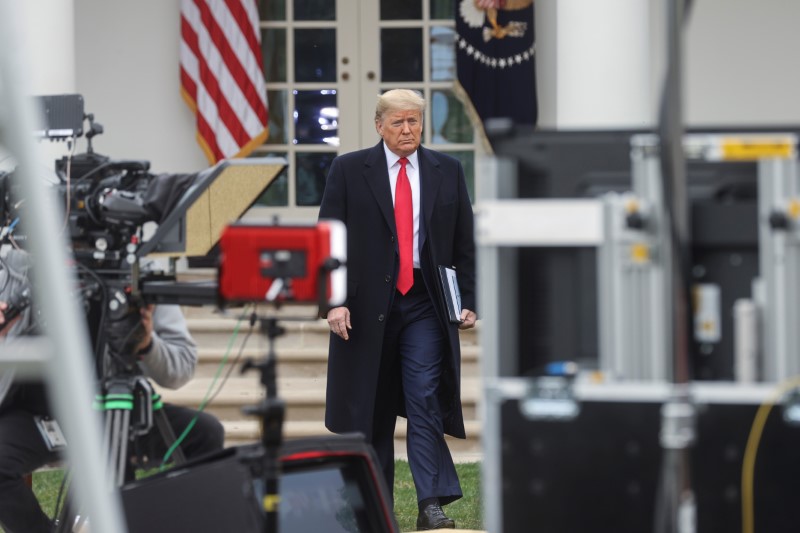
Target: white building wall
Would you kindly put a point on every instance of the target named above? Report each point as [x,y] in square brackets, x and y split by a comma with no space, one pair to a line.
[127,70]
[593,75]
[738,65]
[47,36]
[740,70]
[741,64]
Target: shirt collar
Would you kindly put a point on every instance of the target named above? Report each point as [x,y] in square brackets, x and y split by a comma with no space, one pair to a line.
[392,158]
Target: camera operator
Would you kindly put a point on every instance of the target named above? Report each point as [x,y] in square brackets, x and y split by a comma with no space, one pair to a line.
[167,354]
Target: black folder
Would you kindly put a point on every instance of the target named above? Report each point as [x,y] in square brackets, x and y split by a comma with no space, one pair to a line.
[451,297]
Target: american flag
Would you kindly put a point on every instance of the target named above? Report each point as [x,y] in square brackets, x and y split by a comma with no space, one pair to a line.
[221,75]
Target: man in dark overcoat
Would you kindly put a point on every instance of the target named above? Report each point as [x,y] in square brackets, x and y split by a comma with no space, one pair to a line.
[393,349]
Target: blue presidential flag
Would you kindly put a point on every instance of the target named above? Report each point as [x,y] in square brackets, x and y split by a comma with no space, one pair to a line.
[495,58]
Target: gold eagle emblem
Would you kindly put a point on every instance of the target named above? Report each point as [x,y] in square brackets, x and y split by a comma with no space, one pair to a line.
[477,12]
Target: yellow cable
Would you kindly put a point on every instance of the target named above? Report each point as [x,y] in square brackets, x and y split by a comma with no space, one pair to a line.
[751,450]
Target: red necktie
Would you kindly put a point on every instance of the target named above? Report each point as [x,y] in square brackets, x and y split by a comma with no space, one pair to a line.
[404,220]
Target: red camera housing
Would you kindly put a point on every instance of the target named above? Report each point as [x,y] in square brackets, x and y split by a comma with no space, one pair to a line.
[306,261]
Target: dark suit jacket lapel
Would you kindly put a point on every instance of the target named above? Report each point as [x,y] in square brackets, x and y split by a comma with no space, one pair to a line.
[430,175]
[376,175]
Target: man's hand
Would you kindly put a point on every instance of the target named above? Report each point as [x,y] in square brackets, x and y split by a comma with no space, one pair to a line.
[339,321]
[4,327]
[468,319]
[147,324]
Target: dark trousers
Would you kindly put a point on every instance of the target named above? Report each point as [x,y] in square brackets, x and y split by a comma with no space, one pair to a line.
[22,450]
[413,349]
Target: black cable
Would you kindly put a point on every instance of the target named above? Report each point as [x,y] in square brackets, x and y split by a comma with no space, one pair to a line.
[95,170]
[62,514]
[100,337]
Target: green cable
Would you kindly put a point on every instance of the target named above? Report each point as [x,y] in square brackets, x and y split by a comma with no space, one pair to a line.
[203,403]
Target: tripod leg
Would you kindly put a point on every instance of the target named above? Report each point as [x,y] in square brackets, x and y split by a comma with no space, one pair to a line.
[165,429]
[122,458]
[112,431]
[113,449]
[118,422]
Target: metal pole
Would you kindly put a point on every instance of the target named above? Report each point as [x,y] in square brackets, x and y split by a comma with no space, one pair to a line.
[69,375]
[675,507]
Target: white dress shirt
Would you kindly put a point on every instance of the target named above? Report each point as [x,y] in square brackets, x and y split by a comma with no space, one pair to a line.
[412,171]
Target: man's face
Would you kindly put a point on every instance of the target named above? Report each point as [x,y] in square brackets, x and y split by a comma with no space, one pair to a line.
[401,131]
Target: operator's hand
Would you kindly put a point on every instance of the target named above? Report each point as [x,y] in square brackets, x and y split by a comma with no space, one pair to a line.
[147,323]
[339,321]
[4,327]
[468,319]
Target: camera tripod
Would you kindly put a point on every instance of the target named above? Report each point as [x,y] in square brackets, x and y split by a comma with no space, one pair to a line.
[271,410]
[130,408]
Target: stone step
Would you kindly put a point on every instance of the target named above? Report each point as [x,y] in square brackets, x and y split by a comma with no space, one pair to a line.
[240,432]
[304,397]
[301,355]
[218,332]
[311,362]
[210,331]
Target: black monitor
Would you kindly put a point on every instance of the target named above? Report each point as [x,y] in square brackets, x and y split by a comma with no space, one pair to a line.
[557,318]
[328,483]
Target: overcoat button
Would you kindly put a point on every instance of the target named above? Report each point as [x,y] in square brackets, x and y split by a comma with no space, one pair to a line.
[392,238]
[380,318]
[387,278]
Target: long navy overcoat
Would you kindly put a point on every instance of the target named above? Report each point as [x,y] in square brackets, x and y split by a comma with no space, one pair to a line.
[358,192]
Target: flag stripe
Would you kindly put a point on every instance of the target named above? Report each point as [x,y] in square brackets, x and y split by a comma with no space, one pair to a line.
[221,75]
[235,51]
[217,82]
[250,32]
[204,107]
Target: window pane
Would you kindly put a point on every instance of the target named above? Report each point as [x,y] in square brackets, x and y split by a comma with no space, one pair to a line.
[449,120]
[277,193]
[315,9]
[442,9]
[312,169]
[401,54]
[443,54]
[273,54]
[272,10]
[278,118]
[404,9]
[468,162]
[315,55]
[316,117]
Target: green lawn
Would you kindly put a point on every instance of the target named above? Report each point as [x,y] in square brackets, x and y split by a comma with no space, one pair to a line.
[467,512]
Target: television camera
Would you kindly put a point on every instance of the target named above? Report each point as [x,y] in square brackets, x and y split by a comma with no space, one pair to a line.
[106,202]
[111,209]
[108,207]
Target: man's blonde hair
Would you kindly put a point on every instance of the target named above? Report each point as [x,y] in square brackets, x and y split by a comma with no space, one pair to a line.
[399,100]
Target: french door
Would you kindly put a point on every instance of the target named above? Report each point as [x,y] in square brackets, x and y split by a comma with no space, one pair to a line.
[325,62]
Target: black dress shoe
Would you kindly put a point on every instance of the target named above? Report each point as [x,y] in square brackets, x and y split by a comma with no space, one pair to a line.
[433,517]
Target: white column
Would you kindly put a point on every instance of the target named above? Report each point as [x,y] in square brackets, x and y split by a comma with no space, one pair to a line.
[594,63]
[49,39]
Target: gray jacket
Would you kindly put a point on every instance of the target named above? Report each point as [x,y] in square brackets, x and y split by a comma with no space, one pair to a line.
[170,361]
[172,357]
